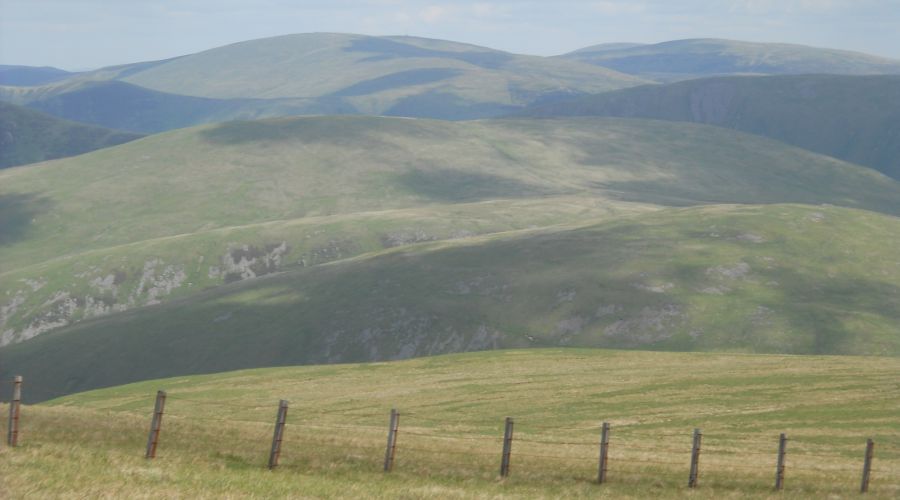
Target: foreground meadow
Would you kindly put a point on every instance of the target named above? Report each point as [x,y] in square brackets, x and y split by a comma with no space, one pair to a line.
[217,429]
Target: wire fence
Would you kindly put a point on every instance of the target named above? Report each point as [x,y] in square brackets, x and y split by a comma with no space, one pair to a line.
[432,443]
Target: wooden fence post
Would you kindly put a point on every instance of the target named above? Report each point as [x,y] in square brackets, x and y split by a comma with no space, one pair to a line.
[280,420]
[393,427]
[604,453]
[695,459]
[156,424]
[867,466]
[12,432]
[779,467]
[507,447]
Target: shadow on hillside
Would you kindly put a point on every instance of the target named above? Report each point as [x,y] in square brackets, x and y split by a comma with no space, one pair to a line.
[389,49]
[17,212]
[327,130]
[448,185]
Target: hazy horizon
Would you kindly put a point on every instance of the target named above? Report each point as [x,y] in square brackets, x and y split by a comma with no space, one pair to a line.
[85,34]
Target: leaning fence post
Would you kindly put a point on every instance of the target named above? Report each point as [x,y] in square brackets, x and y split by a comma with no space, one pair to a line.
[695,459]
[156,424]
[12,433]
[779,467]
[393,426]
[507,447]
[867,466]
[280,420]
[604,453]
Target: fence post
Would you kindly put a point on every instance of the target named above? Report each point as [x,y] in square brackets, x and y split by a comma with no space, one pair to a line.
[280,420]
[393,426]
[156,424]
[604,453]
[12,433]
[779,467]
[507,447]
[867,466]
[695,459]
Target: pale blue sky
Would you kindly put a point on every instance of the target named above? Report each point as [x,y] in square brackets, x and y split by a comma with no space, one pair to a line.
[80,34]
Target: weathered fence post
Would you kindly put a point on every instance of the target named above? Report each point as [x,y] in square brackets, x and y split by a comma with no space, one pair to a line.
[393,427]
[867,466]
[604,453]
[695,459]
[280,420]
[507,447]
[12,433]
[156,424]
[779,467]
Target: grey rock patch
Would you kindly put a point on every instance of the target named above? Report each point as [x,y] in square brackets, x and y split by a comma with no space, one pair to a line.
[736,271]
[651,325]
[607,310]
[406,237]
[751,237]
[658,288]
[565,296]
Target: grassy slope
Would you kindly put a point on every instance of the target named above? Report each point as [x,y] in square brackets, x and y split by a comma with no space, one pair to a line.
[28,136]
[684,59]
[854,118]
[217,429]
[175,213]
[781,279]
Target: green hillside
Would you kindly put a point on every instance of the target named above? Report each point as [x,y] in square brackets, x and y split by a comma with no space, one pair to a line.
[28,136]
[173,214]
[686,59]
[776,278]
[854,118]
[217,429]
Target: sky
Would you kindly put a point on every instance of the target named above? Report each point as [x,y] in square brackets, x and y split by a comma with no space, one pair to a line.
[85,34]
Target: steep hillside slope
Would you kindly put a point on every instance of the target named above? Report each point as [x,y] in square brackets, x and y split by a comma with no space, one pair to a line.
[854,118]
[28,136]
[779,278]
[685,59]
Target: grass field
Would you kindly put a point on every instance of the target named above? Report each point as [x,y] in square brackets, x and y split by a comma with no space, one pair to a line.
[217,429]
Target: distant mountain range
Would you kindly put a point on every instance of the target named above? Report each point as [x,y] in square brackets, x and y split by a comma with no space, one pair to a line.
[687,59]
[324,73]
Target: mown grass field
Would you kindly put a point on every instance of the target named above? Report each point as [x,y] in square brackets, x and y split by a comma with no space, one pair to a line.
[217,429]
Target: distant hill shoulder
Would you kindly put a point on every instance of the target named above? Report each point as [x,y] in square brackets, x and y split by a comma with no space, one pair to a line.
[854,118]
[30,75]
[685,59]
[28,136]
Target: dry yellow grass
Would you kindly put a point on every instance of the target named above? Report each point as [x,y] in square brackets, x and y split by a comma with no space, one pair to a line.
[217,429]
